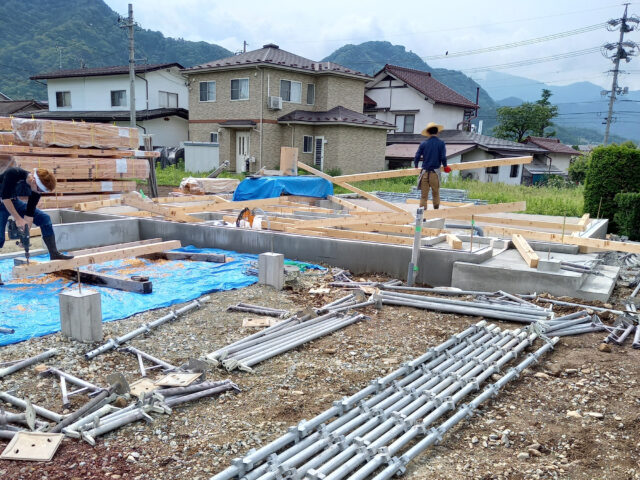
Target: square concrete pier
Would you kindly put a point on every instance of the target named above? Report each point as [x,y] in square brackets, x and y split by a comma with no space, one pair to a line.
[81,315]
[271,270]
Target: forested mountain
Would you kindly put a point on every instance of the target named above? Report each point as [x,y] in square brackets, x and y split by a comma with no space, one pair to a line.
[38,36]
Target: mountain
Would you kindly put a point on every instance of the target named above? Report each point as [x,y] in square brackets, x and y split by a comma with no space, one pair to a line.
[370,57]
[580,105]
[45,35]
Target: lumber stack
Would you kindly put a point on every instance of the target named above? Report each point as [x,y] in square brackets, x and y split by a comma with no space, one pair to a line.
[91,161]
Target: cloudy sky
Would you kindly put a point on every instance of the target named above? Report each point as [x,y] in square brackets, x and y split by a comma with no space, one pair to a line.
[428,28]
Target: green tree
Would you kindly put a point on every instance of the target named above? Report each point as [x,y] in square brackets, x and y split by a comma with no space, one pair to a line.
[578,169]
[516,123]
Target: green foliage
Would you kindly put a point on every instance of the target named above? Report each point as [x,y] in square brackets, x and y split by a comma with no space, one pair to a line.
[334,171]
[628,215]
[40,35]
[578,169]
[613,169]
[516,123]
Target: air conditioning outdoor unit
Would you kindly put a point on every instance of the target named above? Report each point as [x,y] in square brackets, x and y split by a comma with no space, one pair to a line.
[275,103]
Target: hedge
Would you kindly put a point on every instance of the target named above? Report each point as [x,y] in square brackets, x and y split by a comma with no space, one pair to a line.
[628,215]
[613,169]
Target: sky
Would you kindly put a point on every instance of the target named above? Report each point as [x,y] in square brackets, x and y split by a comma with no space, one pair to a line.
[428,28]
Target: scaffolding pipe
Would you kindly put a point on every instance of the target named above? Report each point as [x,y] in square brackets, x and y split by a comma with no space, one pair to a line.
[27,362]
[43,412]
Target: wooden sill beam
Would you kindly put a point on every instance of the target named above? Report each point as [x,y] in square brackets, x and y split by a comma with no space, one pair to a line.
[528,255]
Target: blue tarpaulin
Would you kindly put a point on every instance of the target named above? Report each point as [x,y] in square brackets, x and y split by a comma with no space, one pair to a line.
[30,306]
[271,187]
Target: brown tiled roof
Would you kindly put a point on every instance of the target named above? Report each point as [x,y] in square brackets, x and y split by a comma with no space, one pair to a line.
[274,56]
[428,86]
[100,71]
[553,145]
[8,107]
[335,115]
[369,102]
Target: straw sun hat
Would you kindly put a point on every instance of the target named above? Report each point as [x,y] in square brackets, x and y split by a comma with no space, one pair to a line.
[431,125]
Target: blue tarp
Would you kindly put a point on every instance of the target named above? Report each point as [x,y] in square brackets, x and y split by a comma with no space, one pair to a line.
[271,187]
[30,306]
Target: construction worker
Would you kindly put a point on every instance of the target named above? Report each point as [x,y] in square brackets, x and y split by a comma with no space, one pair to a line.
[16,182]
[433,153]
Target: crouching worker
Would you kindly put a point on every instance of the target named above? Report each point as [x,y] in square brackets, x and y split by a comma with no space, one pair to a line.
[16,182]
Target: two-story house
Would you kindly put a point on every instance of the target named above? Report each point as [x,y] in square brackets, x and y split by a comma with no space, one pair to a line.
[411,98]
[102,95]
[558,154]
[254,103]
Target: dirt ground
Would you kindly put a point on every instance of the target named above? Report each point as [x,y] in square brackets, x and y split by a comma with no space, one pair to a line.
[524,433]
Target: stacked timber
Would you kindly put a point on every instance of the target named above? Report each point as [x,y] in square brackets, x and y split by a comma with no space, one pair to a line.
[92,162]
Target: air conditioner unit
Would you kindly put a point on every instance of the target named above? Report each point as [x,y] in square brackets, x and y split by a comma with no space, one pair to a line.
[275,103]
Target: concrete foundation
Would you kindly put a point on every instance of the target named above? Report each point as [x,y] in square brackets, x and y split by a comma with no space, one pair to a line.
[81,315]
[271,270]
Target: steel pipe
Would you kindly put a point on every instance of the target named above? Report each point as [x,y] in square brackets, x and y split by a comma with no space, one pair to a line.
[43,412]
[170,392]
[130,417]
[636,338]
[179,399]
[27,362]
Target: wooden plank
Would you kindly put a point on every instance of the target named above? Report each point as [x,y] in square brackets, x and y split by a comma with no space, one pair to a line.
[364,236]
[75,152]
[521,222]
[453,241]
[217,207]
[189,198]
[64,168]
[416,201]
[98,186]
[116,282]
[406,172]
[584,221]
[69,201]
[466,212]
[194,257]
[88,206]
[350,220]
[529,256]
[170,213]
[608,245]
[5,124]
[22,271]
[390,228]
[117,246]
[347,204]
[367,195]
[288,160]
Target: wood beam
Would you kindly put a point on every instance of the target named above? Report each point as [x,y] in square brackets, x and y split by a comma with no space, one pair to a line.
[608,245]
[527,253]
[190,198]
[453,241]
[347,204]
[406,172]
[367,195]
[464,211]
[219,206]
[88,206]
[350,220]
[390,228]
[116,282]
[584,221]
[364,236]
[170,213]
[22,271]
[521,222]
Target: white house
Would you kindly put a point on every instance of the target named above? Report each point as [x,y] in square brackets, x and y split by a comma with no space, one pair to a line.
[102,95]
[411,98]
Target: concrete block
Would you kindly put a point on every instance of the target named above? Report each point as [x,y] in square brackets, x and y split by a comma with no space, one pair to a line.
[271,269]
[551,265]
[81,315]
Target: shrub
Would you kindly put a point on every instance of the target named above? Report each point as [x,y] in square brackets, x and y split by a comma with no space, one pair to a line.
[627,217]
[333,171]
[613,169]
[578,169]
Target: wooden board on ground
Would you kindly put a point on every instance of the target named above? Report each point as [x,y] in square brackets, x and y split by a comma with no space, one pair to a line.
[367,195]
[178,379]
[22,271]
[194,257]
[259,322]
[528,255]
[32,446]
[406,172]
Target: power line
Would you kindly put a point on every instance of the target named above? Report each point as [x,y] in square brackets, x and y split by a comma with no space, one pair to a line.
[534,61]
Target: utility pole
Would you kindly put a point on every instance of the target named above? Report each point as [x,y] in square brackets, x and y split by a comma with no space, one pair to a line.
[626,25]
[244,46]
[129,24]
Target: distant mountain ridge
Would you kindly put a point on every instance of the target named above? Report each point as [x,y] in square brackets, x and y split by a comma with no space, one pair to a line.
[45,35]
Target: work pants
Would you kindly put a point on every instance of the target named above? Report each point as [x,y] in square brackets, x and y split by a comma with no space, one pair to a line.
[430,180]
[40,219]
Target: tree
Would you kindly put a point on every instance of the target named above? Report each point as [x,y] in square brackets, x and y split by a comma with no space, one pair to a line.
[578,169]
[516,123]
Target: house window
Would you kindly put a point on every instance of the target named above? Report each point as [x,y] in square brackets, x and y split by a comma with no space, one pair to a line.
[118,98]
[240,89]
[291,91]
[308,144]
[492,170]
[405,123]
[63,99]
[207,91]
[514,171]
[311,94]
[168,100]
[214,137]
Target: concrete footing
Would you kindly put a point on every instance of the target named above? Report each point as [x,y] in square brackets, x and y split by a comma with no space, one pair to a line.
[271,270]
[81,315]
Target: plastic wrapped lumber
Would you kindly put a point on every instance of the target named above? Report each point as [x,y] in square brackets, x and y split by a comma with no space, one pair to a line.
[64,168]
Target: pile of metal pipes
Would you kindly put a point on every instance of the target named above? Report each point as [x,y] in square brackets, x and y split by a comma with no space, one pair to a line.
[356,431]
[172,315]
[573,324]
[11,423]
[258,310]
[279,338]
[514,311]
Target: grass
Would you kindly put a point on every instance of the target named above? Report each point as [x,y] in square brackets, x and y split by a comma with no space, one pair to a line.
[173,175]
[540,200]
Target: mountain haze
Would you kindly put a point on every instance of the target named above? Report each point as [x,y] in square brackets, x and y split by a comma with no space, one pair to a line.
[38,36]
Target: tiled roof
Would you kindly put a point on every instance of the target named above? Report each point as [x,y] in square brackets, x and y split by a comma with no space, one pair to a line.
[408,150]
[9,107]
[335,115]
[428,86]
[461,137]
[553,145]
[97,72]
[3,96]
[107,115]
[274,56]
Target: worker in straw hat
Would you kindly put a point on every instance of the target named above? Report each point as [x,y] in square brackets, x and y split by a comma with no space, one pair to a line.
[16,182]
[433,153]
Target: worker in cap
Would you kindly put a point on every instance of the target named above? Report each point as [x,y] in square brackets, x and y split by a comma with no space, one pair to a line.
[433,154]
[16,182]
